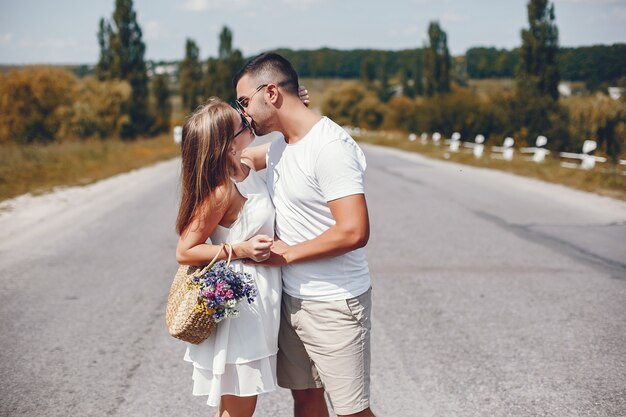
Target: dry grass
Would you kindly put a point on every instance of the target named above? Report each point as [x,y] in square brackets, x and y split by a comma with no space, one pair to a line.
[37,169]
[599,180]
[492,85]
[321,88]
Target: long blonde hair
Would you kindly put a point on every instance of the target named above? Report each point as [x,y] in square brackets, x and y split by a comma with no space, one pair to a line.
[207,134]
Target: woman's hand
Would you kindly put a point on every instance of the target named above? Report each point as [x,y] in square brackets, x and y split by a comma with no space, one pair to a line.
[277,255]
[257,248]
[303,93]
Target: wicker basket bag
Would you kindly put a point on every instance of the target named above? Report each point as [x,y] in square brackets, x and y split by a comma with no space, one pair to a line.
[183,320]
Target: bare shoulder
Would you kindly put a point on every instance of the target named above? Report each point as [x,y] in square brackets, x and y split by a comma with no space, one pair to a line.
[221,197]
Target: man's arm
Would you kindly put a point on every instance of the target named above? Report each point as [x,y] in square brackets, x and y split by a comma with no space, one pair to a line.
[350,231]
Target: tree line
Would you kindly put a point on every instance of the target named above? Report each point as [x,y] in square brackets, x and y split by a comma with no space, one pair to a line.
[594,65]
[435,103]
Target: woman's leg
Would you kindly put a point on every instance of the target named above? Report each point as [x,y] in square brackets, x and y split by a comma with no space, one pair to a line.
[233,406]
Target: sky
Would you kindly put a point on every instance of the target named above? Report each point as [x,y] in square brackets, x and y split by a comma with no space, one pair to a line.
[64,31]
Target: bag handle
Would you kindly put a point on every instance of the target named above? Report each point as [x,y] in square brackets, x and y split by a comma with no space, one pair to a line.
[229,250]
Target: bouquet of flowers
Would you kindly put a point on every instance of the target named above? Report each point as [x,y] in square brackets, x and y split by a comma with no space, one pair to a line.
[220,289]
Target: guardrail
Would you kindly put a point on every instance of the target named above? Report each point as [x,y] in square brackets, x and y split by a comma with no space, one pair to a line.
[538,153]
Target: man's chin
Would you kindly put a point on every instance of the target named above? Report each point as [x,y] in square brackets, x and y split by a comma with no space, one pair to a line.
[260,131]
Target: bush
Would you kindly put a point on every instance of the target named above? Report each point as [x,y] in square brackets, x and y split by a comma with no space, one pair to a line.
[598,118]
[341,105]
[99,109]
[34,103]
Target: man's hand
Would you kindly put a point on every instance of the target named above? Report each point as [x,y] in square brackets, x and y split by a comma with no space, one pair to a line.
[277,255]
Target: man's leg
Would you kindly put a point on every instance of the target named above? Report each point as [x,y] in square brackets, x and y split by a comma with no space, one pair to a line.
[309,402]
[295,369]
[336,336]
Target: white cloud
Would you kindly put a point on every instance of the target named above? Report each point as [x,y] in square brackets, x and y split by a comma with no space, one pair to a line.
[6,38]
[202,5]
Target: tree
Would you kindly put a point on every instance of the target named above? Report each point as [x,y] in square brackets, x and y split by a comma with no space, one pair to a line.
[103,68]
[436,61]
[122,57]
[190,73]
[368,69]
[385,92]
[538,71]
[220,71]
[419,74]
[537,110]
[408,85]
[162,105]
[226,43]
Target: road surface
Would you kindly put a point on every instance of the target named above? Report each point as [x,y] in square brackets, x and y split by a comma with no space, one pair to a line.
[494,295]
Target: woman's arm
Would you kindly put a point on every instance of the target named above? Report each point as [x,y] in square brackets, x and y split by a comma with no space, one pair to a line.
[255,156]
[192,248]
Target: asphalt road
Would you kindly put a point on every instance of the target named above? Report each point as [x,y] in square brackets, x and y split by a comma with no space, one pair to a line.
[494,295]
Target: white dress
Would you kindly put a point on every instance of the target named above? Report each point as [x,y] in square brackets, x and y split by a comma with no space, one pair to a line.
[239,358]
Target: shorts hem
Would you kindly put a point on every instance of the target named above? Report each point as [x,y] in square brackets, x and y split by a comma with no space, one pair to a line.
[347,411]
[297,386]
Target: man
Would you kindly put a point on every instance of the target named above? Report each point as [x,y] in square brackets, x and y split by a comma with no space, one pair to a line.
[315,179]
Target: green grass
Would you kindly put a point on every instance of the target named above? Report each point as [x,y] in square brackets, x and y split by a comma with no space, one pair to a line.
[600,180]
[39,168]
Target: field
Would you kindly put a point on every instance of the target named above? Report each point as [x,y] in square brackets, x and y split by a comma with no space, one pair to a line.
[40,168]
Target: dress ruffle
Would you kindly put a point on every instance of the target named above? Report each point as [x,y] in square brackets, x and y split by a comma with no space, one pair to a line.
[244,380]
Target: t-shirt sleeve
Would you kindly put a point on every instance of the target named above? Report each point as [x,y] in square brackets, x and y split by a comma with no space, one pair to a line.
[339,169]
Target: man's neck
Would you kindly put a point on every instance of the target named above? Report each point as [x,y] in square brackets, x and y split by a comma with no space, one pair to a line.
[296,120]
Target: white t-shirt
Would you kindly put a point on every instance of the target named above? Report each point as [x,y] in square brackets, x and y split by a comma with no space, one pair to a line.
[324,165]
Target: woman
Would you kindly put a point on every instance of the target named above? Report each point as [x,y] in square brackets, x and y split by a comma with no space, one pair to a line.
[225,200]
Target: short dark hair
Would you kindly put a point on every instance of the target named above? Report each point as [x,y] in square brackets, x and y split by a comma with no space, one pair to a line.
[269,67]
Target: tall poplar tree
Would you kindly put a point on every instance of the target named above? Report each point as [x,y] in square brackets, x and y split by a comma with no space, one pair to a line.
[436,61]
[220,71]
[538,71]
[190,72]
[122,57]
[537,110]
[103,68]
[226,43]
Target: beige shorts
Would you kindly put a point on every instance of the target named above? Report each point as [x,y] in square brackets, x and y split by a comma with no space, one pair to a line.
[327,344]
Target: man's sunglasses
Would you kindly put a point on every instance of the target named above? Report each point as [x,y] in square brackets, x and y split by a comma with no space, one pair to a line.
[244,121]
[243,102]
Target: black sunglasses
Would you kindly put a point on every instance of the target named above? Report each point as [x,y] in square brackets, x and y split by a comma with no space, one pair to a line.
[244,122]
